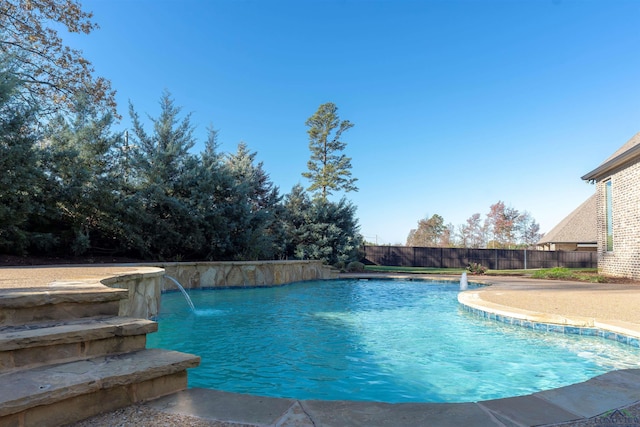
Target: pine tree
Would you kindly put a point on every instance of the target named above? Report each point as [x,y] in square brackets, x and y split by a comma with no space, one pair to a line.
[84,178]
[211,190]
[22,178]
[319,229]
[166,228]
[252,215]
[329,169]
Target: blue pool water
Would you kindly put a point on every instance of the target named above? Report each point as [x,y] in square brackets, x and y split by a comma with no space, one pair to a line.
[382,340]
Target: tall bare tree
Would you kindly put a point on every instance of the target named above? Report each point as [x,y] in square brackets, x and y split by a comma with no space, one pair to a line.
[430,232]
[502,223]
[51,74]
[528,229]
[472,232]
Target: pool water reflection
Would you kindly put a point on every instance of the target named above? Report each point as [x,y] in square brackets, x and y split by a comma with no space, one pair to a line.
[375,340]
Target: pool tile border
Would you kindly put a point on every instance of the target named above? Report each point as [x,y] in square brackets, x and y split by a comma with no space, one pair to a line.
[554,327]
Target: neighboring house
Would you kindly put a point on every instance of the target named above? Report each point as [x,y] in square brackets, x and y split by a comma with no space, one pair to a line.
[577,232]
[617,182]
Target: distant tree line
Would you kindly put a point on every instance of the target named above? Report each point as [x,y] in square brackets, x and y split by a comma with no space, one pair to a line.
[72,186]
[503,228]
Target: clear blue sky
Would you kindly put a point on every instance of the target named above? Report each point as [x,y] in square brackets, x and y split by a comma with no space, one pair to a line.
[456,104]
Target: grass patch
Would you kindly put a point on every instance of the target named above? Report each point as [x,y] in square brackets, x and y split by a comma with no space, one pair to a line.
[557,273]
[562,273]
[553,273]
[412,270]
[508,272]
[431,270]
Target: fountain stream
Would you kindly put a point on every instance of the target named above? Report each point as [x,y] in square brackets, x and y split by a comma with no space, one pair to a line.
[184,292]
[463,282]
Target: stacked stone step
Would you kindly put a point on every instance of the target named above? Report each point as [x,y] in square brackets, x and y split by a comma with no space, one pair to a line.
[66,355]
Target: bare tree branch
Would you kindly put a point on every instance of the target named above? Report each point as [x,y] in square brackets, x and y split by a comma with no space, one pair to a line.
[51,72]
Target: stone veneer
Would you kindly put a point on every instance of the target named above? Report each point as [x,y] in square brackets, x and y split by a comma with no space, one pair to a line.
[144,293]
[145,289]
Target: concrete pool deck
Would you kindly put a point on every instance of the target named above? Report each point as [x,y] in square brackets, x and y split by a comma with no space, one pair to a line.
[605,306]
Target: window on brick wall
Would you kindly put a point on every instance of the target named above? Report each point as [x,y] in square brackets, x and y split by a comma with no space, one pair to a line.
[609,214]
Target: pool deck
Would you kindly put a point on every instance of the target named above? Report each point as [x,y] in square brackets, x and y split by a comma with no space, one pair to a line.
[607,307]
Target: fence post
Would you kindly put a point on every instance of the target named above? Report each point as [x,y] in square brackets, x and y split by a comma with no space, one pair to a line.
[525,259]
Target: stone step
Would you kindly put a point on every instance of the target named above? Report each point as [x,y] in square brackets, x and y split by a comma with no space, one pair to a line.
[60,341]
[60,394]
[24,306]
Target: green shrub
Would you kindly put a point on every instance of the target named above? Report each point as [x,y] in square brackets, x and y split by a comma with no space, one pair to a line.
[595,278]
[476,268]
[567,274]
[340,265]
[553,273]
[355,267]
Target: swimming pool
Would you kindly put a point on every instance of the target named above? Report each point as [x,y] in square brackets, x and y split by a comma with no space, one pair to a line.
[375,340]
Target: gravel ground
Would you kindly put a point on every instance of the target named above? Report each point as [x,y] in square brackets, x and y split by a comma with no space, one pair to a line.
[627,417]
[143,416]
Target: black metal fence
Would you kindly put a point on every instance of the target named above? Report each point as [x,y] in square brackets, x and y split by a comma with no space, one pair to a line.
[495,259]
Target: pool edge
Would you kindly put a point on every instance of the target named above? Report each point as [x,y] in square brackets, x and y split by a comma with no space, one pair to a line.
[597,397]
[622,332]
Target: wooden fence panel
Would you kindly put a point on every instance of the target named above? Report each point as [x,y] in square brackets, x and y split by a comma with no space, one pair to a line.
[425,257]
[495,259]
[577,260]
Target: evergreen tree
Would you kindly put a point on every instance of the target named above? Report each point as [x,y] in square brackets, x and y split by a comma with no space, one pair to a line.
[321,230]
[83,178]
[297,211]
[329,168]
[22,177]
[165,226]
[211,189]
[251,218]
[333,232]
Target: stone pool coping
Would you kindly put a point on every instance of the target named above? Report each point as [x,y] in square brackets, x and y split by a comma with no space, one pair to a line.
[622,332]
[42,277]
[514,298]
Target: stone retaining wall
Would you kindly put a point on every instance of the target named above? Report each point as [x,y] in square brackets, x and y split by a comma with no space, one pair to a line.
[144,293]
[145,289]
[202,275]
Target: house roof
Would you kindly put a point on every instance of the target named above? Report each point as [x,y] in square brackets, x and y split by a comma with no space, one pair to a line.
[628,152]
[578,227]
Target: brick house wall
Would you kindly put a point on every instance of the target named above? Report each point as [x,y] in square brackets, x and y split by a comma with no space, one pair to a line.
[624,259]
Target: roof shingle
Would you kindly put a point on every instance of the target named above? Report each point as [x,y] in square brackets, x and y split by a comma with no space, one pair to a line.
[578,227]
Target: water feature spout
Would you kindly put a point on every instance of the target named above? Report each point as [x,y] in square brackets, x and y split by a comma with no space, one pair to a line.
[463,282]
[184,292]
